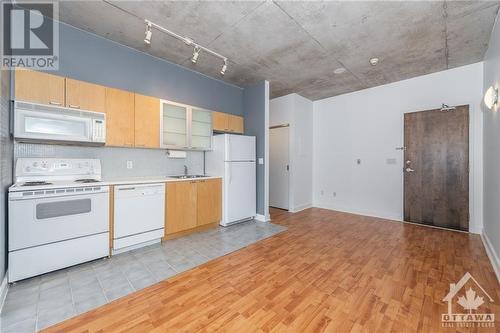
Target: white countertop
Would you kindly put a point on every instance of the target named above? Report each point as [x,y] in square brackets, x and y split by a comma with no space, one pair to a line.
[108,182]
[146,180]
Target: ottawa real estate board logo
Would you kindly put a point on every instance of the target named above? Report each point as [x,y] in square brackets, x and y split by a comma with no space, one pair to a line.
[466,301]
[30,34]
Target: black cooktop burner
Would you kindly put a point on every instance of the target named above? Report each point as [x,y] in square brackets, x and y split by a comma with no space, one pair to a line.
[87,180]
[36,183]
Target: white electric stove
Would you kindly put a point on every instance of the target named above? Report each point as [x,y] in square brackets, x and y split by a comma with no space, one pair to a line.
[58,215]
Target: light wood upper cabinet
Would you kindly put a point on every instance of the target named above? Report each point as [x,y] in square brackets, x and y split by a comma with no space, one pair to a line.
[224,122]
[209,201]
[180,208]
[147,121]
[85,96]
[220,121]
[38,87]
[119,118]
[235,124]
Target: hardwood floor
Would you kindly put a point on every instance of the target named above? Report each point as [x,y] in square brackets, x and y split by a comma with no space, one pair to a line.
[330,271]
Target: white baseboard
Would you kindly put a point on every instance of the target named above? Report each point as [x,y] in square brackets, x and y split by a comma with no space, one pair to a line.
[388,217]
[262,218]
[383,215]
[4,287]
[492,255]
[377,214]
[299,208]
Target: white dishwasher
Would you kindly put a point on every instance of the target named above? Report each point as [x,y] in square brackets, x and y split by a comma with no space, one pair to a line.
[139,215]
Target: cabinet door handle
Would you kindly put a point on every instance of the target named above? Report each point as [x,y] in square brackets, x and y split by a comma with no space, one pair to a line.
[74,106]
[55,103]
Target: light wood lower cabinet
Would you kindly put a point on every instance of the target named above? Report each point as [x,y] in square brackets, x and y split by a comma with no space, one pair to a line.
[191,205]
[180,206]
[209,201]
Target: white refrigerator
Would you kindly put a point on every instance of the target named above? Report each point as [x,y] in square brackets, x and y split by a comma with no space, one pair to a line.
[233,159]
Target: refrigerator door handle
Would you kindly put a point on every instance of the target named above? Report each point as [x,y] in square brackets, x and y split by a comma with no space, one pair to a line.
[229,172]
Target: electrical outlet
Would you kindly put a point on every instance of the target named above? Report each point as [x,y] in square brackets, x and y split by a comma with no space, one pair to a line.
[130,164]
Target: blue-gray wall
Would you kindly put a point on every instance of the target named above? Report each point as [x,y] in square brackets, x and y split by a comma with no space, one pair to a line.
[91,58]
[5,165]
[255,102]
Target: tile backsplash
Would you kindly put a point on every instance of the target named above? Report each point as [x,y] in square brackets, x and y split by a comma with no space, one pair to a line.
[146,162]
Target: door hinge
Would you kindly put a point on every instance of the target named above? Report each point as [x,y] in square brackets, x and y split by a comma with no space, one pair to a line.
[401,148]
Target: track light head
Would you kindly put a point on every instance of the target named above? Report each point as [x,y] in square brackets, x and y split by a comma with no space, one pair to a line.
[224,68]
[149,33]
[196,54]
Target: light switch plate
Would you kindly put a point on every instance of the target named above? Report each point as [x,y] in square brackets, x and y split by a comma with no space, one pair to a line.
[130,164]
[261,160]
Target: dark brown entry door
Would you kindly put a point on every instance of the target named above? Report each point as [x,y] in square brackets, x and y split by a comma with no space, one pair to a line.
[436,175]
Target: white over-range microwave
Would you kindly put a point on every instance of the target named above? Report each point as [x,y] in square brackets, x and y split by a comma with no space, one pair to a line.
[43,123]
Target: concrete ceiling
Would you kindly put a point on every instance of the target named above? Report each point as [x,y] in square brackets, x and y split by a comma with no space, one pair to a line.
[297,45]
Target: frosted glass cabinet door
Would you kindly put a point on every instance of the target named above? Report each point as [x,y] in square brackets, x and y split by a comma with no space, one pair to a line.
[201,128]
[174,125]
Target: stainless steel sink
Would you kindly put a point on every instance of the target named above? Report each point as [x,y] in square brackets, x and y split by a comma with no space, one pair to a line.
[188,176]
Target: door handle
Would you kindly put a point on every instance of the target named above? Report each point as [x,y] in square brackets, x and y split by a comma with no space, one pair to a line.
[409,170]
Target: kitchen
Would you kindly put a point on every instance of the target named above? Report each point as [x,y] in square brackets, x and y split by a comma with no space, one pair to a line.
[123,174]
[142,158]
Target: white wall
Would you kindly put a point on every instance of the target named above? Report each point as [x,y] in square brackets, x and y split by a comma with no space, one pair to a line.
[368,125]
[492,151]
[297,111]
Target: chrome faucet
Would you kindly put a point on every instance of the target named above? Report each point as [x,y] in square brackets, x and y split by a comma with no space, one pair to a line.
[185,170]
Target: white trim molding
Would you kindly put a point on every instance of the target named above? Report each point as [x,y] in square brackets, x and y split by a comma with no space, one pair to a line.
[262,218]
[492,255]
[299,208]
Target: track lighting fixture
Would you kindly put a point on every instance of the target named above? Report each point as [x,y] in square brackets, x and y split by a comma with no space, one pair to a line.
[196,54]
[185,40]
[224,67]
[149,33]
